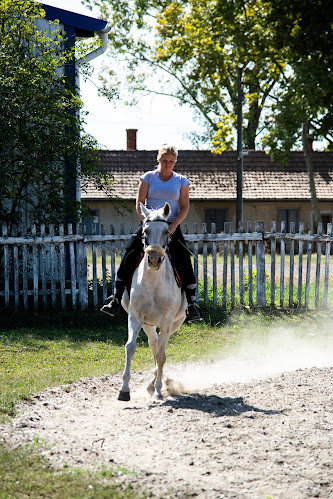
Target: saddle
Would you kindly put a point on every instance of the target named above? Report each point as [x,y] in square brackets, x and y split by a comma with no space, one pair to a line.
[177,276]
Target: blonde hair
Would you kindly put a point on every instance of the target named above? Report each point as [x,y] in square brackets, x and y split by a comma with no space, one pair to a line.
[167,149]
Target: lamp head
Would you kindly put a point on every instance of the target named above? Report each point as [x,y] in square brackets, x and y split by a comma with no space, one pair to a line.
[249,67]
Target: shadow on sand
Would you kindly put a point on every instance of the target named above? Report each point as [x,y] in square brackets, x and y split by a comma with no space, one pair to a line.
[217,406]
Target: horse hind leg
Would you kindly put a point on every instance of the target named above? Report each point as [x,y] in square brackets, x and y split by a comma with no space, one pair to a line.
[151,386]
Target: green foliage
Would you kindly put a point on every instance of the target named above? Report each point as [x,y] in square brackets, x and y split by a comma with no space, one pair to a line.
[190,50]
[42,139]
[303,33]
[223,138]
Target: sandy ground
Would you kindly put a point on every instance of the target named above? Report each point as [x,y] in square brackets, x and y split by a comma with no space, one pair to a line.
[249,426]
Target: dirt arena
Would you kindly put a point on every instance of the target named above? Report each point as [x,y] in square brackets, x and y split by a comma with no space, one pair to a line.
[250,426]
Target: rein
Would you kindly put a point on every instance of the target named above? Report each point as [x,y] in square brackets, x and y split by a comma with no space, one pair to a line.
[195,257]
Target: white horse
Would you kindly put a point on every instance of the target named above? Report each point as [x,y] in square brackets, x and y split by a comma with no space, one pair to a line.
[155,300]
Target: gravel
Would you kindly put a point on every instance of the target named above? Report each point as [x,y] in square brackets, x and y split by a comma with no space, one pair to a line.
[252,439]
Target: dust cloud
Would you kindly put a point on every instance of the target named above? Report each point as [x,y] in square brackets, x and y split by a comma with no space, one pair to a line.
[279,352]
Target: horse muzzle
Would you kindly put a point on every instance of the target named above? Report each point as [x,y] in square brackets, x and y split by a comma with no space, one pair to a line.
[156,255]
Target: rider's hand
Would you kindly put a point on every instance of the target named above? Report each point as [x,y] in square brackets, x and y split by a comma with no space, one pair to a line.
[172,228]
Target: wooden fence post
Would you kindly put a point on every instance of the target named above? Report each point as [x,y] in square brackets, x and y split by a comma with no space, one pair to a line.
[195,262]
[308,272]
[232,268]
[94,267]
[327,264]
[240,264]
[249,249]
[83,271]
[6,265]
[319,233]
[260,262]
[282,254]
[105,291]
[214,268]
[62,268]
[273,263]
[204,257]
[73,265]
[25,271]
[43,268]
[113,261]
[53,264]
[16,268]
[225,268]
[300,266]
[291,265]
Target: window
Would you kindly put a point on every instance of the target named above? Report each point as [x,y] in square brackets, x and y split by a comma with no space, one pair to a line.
[288,215]
[92,219]
[326,218]
[217,216]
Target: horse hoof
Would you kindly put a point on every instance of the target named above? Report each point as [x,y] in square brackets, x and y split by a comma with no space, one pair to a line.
[124,396]
[151,389]
[158,397]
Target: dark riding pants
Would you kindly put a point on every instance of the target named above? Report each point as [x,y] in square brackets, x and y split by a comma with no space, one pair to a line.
[179,254]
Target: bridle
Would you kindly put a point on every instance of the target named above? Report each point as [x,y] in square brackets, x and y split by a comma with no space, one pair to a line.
[155,247]
[144,236]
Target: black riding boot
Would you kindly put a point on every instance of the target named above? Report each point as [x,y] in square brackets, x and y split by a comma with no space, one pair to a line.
[125,271]
[193,312]
[112,303]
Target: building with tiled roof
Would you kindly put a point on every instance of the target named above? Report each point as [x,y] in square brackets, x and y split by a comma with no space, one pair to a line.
[270,192]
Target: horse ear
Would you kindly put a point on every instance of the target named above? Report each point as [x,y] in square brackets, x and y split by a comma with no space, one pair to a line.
[166,210]
[145,212]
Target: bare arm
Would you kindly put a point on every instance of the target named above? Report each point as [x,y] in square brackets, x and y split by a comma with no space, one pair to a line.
[184,205]
[141,197]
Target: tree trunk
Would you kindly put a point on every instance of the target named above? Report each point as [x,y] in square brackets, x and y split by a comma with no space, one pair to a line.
[309,166]
[250,132]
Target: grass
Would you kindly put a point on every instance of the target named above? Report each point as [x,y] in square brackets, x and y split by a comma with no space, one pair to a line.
[24,473]
[39,351]
[43,351]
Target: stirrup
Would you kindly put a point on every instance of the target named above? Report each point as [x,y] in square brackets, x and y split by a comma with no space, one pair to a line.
[193,313]
[111,306]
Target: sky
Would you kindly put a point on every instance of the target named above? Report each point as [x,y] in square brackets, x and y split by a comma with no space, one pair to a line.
[158,119]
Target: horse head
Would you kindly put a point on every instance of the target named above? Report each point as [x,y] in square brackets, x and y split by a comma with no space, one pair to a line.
[155,234]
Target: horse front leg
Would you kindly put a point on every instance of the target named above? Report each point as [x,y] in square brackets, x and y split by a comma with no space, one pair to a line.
[160,361]
[134,326]
[153,343]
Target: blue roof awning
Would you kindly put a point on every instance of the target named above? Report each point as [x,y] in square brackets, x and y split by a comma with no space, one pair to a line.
[84,26]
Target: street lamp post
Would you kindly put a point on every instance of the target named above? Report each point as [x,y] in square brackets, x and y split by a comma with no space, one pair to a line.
[240,154]
[239,203]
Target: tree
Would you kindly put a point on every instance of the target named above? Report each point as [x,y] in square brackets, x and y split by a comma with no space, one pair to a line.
[304,99]
[195,47]
[41,130]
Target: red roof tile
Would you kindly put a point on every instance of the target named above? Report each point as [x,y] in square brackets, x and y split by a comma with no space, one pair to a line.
[213,176]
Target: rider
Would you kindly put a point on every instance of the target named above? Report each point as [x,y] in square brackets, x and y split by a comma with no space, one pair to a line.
[155,188]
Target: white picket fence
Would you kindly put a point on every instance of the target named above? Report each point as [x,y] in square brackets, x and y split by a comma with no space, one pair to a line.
[42,269]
